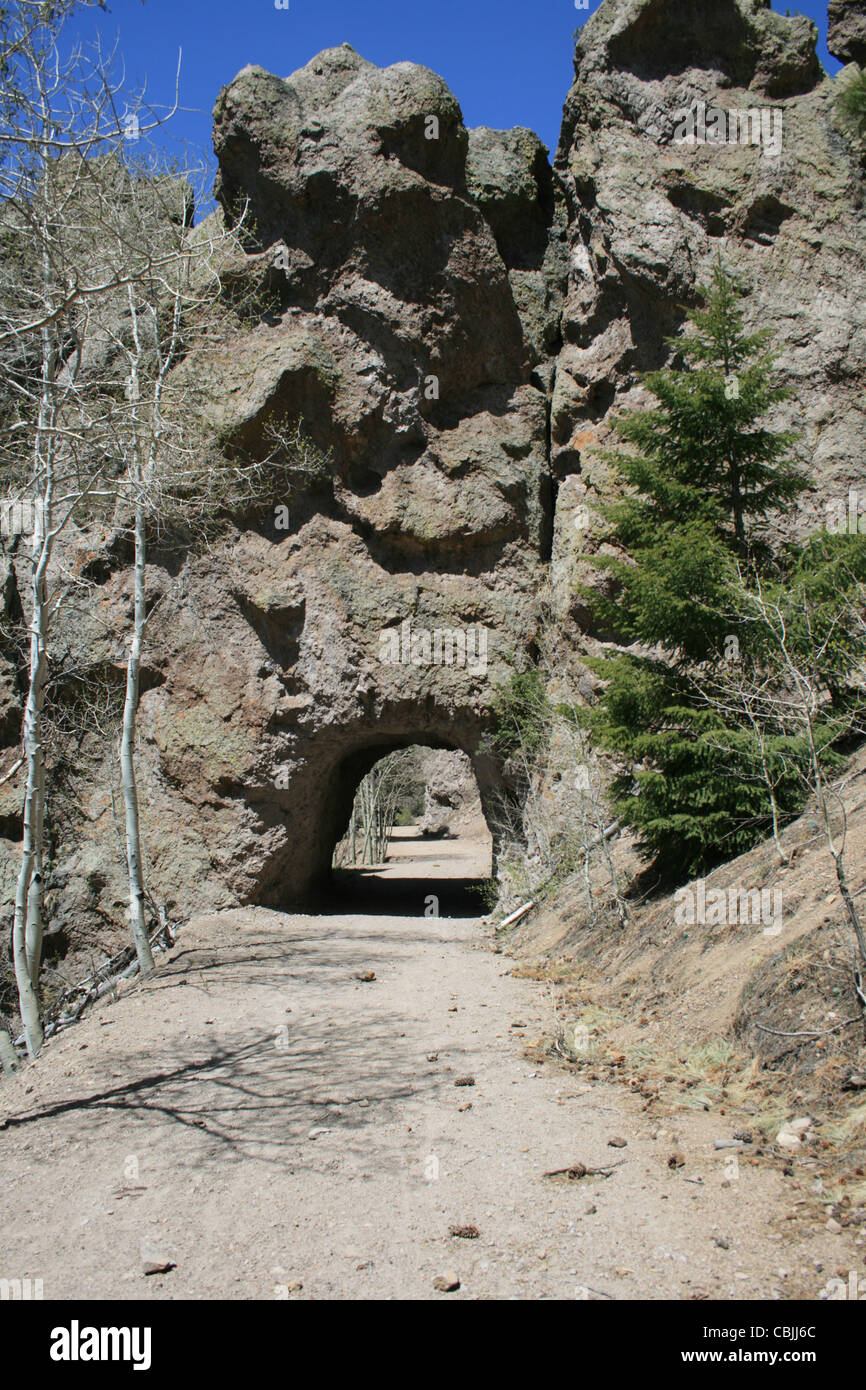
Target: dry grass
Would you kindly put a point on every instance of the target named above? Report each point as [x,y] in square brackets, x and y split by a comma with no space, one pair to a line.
[849,1129]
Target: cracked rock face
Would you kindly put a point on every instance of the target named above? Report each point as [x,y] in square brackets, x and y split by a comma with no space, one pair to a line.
[649,215]
[451,802]
[401,341]
[412,336]
[455,323]
[846,36]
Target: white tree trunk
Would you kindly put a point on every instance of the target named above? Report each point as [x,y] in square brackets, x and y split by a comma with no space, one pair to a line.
[35,920]
[127,758]
[27,922]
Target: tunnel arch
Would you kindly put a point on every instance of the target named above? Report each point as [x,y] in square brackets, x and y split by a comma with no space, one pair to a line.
[300,827]
[354,766]
[435,858]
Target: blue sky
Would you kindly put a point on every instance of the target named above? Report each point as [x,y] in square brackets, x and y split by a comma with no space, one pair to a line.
[508,62]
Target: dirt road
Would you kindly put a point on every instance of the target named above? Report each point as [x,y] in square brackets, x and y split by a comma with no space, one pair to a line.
[276,1125]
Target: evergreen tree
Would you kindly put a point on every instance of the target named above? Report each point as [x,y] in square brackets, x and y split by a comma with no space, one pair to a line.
[706,479]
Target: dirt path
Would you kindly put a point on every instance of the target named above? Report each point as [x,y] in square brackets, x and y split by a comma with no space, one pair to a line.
[265,1119]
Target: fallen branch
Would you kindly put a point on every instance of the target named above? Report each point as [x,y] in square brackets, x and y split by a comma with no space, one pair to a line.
[605,835]
[11,773]
[580,1170]
[777,1032]
[516,916]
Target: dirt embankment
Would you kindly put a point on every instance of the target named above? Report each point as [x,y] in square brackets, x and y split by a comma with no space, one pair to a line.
[738,986]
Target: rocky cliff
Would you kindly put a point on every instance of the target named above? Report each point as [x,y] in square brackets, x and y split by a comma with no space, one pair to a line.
[455,320]
[649,214]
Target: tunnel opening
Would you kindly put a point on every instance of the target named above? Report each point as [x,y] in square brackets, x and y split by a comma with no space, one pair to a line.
[411,838]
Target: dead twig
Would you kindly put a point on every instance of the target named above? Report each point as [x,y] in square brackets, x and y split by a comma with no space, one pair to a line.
[580,1170]
[777,1032]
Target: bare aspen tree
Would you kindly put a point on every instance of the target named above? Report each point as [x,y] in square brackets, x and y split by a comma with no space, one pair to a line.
[59,115]
[141,439]
[382,794]
[155,433]
[172,479]
[802,705]
[783,698]
[99,265]
[744,698]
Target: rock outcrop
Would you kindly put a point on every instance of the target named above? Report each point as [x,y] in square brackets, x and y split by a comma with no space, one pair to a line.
[455,322]
[411,325]
[650,213]
[451,802]
[846,35]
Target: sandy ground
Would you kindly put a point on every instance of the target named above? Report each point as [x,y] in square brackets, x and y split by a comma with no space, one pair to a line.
[276,1126]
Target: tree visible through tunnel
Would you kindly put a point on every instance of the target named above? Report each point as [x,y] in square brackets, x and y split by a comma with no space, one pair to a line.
[417,842]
